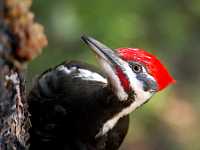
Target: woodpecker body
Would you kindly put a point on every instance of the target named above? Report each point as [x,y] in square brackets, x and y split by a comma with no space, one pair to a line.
[71,118]
[76,107]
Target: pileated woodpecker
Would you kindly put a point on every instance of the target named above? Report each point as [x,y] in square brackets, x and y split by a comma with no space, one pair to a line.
[76,107]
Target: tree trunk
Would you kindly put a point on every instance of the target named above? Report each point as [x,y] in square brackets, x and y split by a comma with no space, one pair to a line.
[21,40]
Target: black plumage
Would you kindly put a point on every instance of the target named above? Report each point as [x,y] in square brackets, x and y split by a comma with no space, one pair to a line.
[67,111]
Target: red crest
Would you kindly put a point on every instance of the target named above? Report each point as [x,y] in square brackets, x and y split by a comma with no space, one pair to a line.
[153,65]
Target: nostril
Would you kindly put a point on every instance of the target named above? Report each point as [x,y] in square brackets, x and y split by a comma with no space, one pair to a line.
[152,87]
[149,84]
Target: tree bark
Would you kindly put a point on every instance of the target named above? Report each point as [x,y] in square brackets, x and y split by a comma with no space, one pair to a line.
[21,40]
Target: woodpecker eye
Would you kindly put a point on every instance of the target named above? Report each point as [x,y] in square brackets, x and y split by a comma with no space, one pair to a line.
[136,68]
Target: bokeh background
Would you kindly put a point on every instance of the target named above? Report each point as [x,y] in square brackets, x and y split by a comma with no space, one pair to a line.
[169,29]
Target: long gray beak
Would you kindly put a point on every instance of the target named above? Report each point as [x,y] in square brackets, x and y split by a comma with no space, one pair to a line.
[110,61]
[104,52]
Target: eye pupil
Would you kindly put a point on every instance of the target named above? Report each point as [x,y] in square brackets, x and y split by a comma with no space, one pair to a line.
[137,68]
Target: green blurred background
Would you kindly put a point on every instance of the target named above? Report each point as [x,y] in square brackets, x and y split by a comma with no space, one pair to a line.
[169,29]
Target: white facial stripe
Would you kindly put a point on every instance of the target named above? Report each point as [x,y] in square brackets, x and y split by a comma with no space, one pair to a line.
[141,97]
[84,74]
[114,79]
[108,125]
[136,85]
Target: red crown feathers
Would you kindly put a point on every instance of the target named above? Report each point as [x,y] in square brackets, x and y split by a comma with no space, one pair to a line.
[153,65]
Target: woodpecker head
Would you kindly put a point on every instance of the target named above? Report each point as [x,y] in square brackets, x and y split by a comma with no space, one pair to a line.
[133,73]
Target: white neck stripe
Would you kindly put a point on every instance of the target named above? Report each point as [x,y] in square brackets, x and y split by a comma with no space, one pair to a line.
[108,125]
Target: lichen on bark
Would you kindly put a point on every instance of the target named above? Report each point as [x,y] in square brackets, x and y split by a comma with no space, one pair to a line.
[29,34]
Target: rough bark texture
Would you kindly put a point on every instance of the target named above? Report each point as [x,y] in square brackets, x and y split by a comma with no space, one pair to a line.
[21,40]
